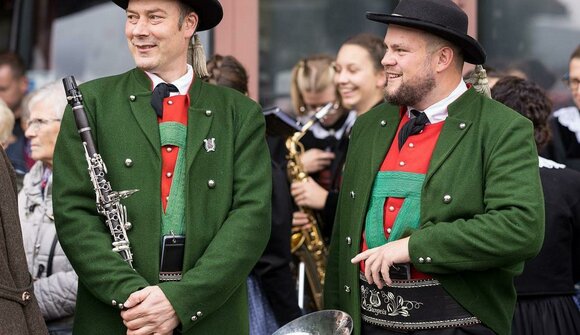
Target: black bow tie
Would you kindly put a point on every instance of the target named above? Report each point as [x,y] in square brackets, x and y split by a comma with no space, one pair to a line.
[161,92]
[412,127]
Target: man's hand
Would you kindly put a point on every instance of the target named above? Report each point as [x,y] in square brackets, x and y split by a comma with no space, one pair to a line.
[314,160]
[378,260]
[149,312]
[309,194]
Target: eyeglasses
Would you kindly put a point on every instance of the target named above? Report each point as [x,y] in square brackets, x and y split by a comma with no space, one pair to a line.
[34,124]
[311,109]
[572,83]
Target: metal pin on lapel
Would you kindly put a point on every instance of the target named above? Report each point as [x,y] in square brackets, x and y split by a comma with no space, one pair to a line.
[209,144]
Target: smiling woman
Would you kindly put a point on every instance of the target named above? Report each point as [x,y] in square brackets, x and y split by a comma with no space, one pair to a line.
[359,73]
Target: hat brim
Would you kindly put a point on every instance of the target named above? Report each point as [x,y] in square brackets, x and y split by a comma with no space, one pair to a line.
[472,51]
[209,12]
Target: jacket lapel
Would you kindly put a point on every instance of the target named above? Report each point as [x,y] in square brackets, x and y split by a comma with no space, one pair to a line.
[383,137]
[453,131]
[140,102]
[199,122]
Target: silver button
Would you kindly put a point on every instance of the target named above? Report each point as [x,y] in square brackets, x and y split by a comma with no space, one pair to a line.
[389,230]
[391,208]
[421,260]
[167,198]
[411,145]
[199,314]
[194,318]
[208,113]
[128,162]
[170,102]
[401,163]
[114,303]
[447,198]
[132,98]
[169,174]
[26,296]
[169,149]
[120,306]
[348,240]
[346,288]
[462,125]
[352,194]
[383,123]
[428,259]
[211,183]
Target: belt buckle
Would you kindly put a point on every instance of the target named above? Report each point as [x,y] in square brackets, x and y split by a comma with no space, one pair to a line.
[400,271]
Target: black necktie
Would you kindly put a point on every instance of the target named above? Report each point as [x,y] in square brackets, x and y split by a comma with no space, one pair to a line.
[412,127]
[161,92]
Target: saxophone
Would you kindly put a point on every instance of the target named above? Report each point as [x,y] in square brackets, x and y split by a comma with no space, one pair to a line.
[108,201]
[307,243]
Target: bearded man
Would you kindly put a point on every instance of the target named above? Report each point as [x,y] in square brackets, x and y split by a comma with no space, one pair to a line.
[441,200]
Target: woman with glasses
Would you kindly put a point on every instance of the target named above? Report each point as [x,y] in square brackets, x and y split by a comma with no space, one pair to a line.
[55,282]
[360,80]
[565,146]
[312,88]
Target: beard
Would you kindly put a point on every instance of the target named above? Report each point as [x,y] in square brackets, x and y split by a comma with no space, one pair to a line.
[411,93]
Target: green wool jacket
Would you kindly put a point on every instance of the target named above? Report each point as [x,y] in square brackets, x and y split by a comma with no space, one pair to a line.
[227,221]
[486,160]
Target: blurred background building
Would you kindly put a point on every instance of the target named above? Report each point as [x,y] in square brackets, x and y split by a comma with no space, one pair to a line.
[85,38]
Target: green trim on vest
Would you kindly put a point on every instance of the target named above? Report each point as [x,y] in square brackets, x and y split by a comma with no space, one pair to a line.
[399,185]
[173,220]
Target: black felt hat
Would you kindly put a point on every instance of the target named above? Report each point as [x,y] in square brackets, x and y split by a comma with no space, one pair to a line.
[210,12]
[439,17]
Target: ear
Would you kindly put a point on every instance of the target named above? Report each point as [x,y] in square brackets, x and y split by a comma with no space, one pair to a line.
[23,84]
[444,58]
[190,24]
[381,78]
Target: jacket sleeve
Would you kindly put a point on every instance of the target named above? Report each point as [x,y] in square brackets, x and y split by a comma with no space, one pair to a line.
[239,242]
[511,227]
[57,294]
[82,232]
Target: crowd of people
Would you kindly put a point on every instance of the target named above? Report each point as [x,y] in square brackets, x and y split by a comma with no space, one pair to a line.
[441,210]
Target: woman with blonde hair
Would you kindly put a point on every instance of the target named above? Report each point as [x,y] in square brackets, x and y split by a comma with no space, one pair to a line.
[313,87]
[6,124]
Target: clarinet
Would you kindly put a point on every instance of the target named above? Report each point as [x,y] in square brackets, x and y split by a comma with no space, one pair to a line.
[108,201]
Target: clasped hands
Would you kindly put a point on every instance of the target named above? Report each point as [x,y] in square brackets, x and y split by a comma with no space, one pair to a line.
[148,311]
[378,260]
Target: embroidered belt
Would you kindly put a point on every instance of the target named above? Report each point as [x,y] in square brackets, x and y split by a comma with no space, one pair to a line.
[413,304]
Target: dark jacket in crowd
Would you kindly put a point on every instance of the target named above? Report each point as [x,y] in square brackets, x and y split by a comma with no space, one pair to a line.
[19,312]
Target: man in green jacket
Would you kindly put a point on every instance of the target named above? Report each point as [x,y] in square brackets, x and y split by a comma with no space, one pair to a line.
[198,156]
[441,199]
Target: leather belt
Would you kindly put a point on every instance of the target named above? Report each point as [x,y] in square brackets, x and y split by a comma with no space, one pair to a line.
[413,304]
